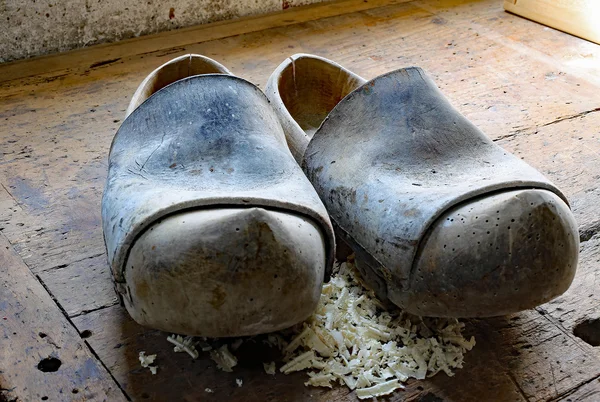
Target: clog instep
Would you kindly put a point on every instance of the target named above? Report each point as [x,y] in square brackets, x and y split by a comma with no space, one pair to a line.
[443,221]
[211,227]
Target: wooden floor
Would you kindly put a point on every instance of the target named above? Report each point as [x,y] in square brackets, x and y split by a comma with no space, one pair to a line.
[534,90]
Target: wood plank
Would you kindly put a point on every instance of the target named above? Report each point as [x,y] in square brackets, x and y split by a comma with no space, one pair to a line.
[564,53]
[588,392]
[520,357]
[480,86]
[109,53]
[579,305]
[82,286]
[544,360]
[117,340]
[579,18]
[42,355]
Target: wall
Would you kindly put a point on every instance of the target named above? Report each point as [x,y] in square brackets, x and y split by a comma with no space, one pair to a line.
[35,27]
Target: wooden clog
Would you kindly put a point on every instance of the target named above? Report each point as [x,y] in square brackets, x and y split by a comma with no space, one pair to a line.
[443,221]
[211,227]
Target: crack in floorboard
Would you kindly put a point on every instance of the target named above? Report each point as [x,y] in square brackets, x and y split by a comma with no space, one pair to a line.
[516,383]
[84,312]
[63,266]
[571,117]
[534,130]
[557,324]
[573,390]
[589,232]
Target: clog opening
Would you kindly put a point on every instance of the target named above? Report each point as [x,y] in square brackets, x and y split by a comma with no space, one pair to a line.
[311,87]
[174,70]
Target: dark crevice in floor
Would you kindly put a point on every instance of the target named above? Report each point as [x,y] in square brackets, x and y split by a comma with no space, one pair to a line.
[588,330]
[572,116]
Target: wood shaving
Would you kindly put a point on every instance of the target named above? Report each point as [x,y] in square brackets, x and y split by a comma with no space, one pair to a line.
[352,340]
[224,359]
[147,361]
[269,368]
[184,345]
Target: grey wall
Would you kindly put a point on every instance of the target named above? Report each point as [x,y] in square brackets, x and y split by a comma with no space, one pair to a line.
[35,27]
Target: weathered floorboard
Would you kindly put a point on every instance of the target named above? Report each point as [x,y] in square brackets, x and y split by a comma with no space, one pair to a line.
[42,357]
[588,392]
[82,286]
[519,357]
[118,341]
[532,89]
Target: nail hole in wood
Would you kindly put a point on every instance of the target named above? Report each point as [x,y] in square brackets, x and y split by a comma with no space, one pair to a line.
[49,365]
[589,331]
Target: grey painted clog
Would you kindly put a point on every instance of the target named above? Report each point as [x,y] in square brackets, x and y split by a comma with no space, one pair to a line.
[443,221]
[211,227]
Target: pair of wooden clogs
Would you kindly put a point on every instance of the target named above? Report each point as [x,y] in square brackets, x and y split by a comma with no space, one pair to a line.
[214,228]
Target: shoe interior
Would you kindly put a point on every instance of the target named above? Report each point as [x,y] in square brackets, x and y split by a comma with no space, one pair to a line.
[311,86]
[174,70]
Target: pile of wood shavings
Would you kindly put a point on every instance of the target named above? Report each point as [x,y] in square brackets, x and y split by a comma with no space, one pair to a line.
[352,340]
